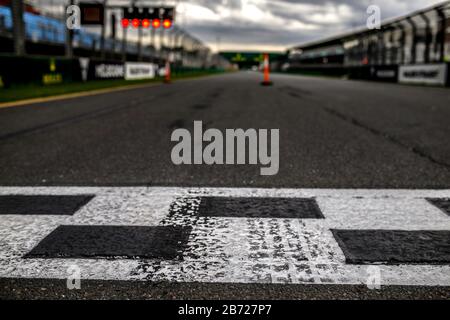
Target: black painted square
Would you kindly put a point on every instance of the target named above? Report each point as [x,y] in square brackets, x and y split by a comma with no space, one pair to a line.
[165,242]
[259,207]
[441,203]
[394,246]
[43,204]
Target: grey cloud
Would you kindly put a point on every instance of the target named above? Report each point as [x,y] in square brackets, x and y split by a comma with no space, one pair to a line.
[233,30]
[241,32]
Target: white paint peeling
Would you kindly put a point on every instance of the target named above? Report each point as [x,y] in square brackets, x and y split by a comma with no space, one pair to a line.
[245,250]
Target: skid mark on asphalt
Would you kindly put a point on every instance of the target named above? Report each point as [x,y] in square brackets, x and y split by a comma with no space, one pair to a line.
[232,248]
[208,101]
[200,106]
[388,137]
[101,112]
[178,123]
[299,94]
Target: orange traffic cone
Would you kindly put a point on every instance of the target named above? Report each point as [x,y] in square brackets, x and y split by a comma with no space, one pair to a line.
[167,75]
[266,81]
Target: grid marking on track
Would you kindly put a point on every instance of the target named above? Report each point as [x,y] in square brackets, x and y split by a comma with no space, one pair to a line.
[441,203]
[394,246]
[127,242]
[42,204]
[229,249]
[259,207]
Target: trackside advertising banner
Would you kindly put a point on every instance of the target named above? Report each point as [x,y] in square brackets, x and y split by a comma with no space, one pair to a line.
[384,73]
[108,70]
[16,70]
[101,69]
[140,70]
[433,74]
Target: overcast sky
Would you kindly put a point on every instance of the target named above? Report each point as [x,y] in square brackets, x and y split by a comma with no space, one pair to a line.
[279,24]
[269,25]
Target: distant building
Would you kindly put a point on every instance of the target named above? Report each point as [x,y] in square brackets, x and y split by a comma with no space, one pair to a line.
[421,37]
[252,59]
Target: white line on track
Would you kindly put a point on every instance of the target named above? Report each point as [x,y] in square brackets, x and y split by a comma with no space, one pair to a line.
[244,250]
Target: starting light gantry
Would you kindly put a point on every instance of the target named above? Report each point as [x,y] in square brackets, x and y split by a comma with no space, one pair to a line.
[154,17]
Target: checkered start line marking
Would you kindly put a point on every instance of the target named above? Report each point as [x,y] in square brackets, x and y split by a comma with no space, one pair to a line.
[237,235]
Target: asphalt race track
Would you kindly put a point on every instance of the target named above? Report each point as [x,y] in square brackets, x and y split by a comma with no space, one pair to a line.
[333,134]
[362,165]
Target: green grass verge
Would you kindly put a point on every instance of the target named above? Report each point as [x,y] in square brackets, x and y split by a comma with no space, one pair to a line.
[15,93]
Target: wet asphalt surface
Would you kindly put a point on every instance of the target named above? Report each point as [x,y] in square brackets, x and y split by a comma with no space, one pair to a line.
[333,134]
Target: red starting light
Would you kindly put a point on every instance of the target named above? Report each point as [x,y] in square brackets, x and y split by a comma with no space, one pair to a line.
[135,22]
[167,23]
[125,23]
[156,23]
[145,23]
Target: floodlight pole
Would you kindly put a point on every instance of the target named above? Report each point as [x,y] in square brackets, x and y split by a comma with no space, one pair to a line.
[428,37]
[113,33]
[103,30]
[161,42]
[124,44]
[139,44]
[152,42]
[414,39]
[18,27]
[441,34]
[69,37]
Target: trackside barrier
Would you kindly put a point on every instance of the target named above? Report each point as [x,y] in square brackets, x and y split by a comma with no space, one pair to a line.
[437,74]
[428,74]
[140,70]
[38,70]
[387,73]
[31,70]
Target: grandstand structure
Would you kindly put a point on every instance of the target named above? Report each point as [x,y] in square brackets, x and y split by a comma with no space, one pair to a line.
[418,41]
[46,34]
